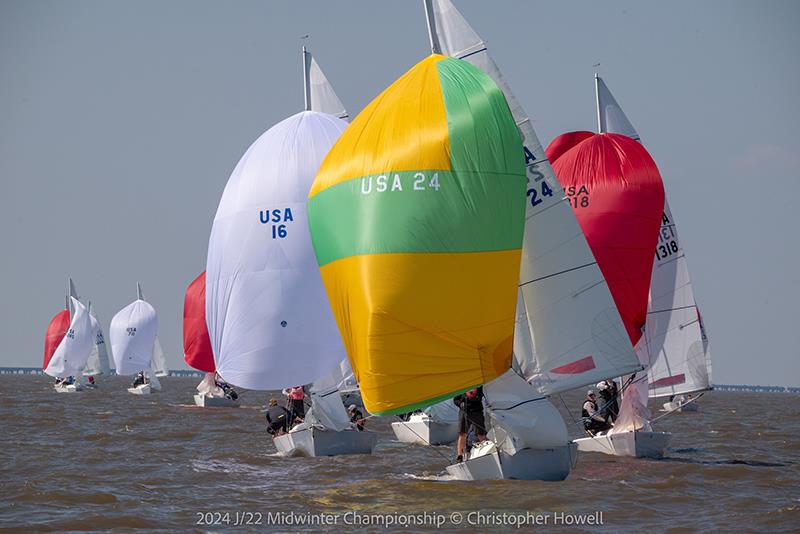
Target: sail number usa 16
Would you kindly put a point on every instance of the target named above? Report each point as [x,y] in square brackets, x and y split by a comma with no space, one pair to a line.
[279,219]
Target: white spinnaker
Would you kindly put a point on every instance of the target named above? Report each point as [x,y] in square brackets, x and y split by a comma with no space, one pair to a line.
[320,94]
[70,356]
[159,360]
[673,342]
[575,335]
[267,311]
[97,364]
[521,417]
[327,409]
[133,334]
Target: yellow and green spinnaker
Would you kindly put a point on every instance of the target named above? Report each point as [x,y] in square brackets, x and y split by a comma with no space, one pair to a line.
[416,217]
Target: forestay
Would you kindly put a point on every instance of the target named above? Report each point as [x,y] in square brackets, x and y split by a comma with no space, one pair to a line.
[268,316]
[70,356]
[320,95]
[133,334]
[568,331]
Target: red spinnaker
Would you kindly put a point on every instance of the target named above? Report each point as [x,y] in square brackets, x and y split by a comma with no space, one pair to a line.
[56,331]
[196,343]
[616,192]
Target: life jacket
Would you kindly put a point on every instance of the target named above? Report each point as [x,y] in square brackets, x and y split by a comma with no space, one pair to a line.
[473,400]
[297,393]
[584,411]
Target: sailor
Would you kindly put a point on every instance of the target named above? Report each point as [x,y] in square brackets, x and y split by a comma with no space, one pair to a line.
[296,403]
[91,381]
[139,380]
[278,418]
[356,417]
[69,380]
[226,388]
[613,393]
[470,415]
[606,401]
[593,422]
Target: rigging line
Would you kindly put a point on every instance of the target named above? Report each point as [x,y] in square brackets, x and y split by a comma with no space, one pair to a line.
[558,273]
[672,309]
[678,408]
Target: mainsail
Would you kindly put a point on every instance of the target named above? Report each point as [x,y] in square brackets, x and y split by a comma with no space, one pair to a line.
[568,331]
[674,340]
[268,318]
[416,216]
[319,93]
[97,364]
[133,335]
[69,357]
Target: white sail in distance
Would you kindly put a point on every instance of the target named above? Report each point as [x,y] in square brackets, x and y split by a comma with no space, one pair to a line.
[70,356]
[569,332]
[159,360]
[132,334]
[674,343]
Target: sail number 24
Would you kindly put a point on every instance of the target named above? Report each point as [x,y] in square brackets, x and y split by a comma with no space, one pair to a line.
[419,181]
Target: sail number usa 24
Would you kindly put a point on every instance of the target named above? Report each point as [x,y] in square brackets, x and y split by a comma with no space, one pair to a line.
[278,218]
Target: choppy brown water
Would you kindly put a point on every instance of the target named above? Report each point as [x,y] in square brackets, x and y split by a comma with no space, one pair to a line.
[105,459]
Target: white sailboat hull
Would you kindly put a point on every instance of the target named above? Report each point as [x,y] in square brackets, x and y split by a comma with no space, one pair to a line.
[678,407]
[204,401]
[424,431]
[71,388]
[550,464]
[636,444]
[141,389]
[313,442]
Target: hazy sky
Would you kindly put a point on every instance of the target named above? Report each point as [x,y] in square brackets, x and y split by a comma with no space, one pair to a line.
[120,123]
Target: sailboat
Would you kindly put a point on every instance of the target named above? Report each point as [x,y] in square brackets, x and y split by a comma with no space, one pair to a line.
[674,340]
[435,425]
[269,321]
[133,339]
[197,348]
[615,189]
[67,349]
[568,332]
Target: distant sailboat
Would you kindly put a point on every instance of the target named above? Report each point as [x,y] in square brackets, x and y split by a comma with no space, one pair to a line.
[66,350]
[568,332]
[269,321]
[197,348]
[133,337]
[674,341]
[615,189]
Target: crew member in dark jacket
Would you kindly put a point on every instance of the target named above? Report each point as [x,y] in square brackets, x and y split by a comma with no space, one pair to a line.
[278,418]
[470,414]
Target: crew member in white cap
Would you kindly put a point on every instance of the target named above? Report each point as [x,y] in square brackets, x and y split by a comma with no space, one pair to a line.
[356,416]
[593,422]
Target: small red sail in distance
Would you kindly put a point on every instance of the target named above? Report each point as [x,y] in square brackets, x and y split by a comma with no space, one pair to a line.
[56,331]
[615,190]
[196,343]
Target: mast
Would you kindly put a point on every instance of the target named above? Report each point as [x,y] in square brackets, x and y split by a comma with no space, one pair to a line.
[597,102]
[139,291]
[436,47]
[306,80]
